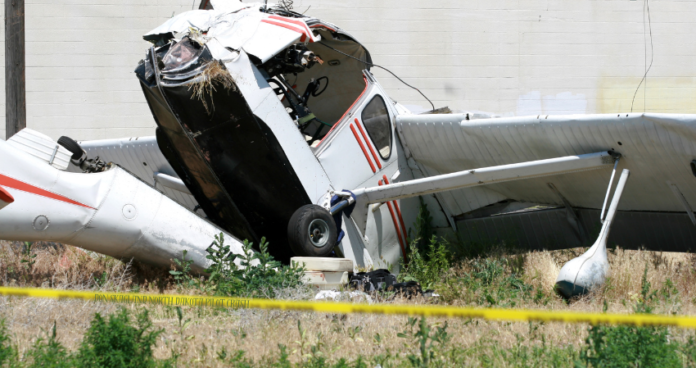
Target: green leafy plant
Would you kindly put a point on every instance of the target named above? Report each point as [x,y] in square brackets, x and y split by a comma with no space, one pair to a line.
[423,227]
[102,279]
[426,268]
[49,353]
[629,346]
[182,272]
[8,353]
[118,342]
[250,274]
[183,324]
[27,259]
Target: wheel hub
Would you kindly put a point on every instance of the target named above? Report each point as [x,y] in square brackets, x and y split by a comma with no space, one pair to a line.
[318,233]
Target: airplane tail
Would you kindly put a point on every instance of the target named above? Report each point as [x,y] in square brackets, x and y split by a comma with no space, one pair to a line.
[110,212]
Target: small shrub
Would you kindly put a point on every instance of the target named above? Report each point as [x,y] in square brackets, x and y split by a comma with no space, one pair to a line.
[263,279]
[49,353]
[625,346]
[629,346]
[119,343]
[428,267]
[522,355]
[182,272]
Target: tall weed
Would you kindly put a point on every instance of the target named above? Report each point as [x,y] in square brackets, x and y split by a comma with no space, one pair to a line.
[426,267]
[119,343]
[251,274]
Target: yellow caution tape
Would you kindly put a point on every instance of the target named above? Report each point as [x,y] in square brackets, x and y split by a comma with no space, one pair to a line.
[492,314]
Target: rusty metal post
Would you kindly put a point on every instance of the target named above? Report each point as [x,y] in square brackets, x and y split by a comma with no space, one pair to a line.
[15,86]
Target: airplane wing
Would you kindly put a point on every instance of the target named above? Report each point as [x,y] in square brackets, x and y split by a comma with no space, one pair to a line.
[658,149]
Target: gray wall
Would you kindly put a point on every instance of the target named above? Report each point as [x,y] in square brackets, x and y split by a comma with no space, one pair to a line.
[504,57]
[80,60]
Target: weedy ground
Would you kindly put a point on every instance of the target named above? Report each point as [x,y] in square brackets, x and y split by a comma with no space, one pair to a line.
[641,281]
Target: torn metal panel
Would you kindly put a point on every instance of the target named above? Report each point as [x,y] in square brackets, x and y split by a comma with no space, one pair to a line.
[222,148]
[243,26]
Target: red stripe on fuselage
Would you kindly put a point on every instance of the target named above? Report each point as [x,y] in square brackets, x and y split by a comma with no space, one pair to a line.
[369,145]
[297,22]
[396,227]
[24,187]
[362,146]
[288,26]
[398,212]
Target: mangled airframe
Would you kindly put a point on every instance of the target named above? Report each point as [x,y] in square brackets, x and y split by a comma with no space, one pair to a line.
[270,124]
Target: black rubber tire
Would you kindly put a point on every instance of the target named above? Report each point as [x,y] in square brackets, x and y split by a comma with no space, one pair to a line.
[299,231]
[71,146]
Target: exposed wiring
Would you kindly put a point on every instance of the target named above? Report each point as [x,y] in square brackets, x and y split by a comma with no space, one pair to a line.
[381,67]
[287,4]
[646,5]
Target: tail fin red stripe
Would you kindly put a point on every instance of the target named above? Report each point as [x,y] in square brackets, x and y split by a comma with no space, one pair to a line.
[24,187]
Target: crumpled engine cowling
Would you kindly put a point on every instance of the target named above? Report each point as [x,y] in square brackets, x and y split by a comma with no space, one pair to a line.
[218,147]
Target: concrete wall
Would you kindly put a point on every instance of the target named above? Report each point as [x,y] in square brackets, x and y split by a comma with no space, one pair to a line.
[80,60]
[528,57]
[522,57]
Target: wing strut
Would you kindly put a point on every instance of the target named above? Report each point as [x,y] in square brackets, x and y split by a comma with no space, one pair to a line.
[470,178]
[617,156]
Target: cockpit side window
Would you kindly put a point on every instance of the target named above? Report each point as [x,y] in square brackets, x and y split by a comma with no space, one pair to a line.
[375,117]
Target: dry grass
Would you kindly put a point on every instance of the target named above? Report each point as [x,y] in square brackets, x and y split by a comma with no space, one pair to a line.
[259,332]
[214,74]
[623,287]
[67,267]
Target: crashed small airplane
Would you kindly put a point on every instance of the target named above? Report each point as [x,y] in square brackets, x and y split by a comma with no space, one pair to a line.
[270,124]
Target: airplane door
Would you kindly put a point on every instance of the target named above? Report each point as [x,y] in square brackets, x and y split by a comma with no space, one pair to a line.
[361,153]
[347,154]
